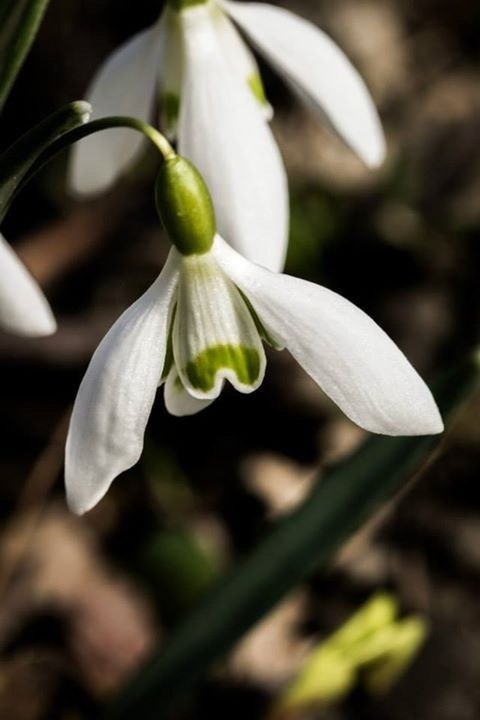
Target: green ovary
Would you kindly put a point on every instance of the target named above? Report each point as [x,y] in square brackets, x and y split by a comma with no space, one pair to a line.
[202,371]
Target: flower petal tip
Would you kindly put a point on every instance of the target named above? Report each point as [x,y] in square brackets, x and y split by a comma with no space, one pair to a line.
[435,425]
[38,324]
[43,327]
[83,493]
[428,422]
[75,502]
[375,153]
[76,507]
[46,324]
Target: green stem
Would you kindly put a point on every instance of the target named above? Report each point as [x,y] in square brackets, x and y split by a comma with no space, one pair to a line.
[108,123]
[120,121]
[17,160]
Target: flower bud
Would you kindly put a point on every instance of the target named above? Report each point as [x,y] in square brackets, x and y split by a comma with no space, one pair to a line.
[185,206]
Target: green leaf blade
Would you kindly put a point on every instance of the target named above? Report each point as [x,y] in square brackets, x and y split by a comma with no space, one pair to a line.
[18,159]
[19,24]
[302,543]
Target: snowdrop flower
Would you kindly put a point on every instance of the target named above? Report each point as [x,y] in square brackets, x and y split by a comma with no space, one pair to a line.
[202,323]
[211,94]
[23,307]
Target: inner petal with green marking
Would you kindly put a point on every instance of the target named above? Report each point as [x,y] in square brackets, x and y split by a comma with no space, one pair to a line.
[214,334]
[242,360]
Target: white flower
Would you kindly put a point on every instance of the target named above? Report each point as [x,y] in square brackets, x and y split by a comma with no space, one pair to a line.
[23,307]
[202,323]
[211,94]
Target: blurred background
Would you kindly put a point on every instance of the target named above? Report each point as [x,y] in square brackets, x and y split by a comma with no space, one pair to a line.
[84,601]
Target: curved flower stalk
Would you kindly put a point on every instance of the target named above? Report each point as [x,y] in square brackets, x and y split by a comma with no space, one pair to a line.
[211,94]
[202,323]
[24,309]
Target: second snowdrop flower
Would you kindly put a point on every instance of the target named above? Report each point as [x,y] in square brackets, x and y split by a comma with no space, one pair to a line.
[211,95]
[24,310]
[202,323]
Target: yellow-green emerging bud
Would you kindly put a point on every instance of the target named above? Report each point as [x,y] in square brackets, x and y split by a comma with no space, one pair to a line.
[185,206]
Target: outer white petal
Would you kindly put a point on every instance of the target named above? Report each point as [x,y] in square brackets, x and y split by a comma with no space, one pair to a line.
[340,347]
[125,85]
[178,401]
[214,334]
[171,72]
[241,60]
[225,136]
[316,68]
[117,393]
[23,307]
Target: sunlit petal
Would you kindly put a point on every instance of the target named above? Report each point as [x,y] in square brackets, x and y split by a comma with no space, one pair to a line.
[315,68]
[116,395]
[341,348]
[241,61]
[223,133]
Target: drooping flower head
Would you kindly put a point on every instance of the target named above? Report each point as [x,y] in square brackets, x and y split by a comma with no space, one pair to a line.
[202,323]
[211,95]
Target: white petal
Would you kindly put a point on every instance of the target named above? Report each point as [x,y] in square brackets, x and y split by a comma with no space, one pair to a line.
[241,60]
[117,393]
[178,401]
[214,334]
[318,71]
[124,85]
[225,136]
[171,72]
[341,348]
[24,309]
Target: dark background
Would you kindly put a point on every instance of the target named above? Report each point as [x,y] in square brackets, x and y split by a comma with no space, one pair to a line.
[83,601]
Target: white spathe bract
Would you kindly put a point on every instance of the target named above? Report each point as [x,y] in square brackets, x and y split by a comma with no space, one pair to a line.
[194,329]
[211,96]
[24,309]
